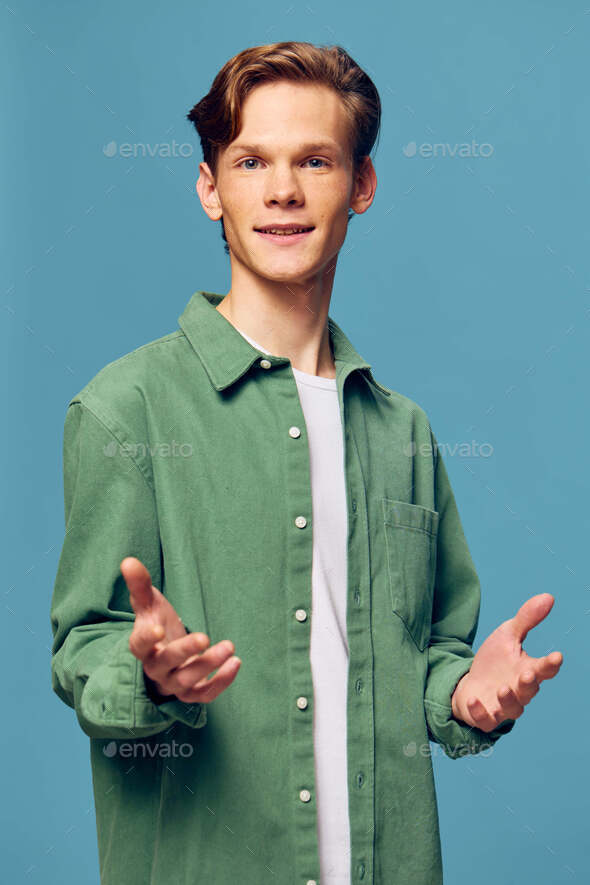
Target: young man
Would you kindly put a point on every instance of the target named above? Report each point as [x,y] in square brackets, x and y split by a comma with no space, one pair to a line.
[245,484]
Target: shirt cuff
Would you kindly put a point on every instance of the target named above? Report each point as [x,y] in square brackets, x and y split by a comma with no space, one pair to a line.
[457,739]
[115,701]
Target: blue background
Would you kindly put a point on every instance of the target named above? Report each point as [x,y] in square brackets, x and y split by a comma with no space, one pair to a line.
[466,286]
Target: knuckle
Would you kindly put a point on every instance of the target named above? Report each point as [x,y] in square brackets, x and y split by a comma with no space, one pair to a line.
[223,652]
[158,657]
[185,681]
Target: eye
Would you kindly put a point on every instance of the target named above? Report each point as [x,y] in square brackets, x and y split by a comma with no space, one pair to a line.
[248,160]
[311,159]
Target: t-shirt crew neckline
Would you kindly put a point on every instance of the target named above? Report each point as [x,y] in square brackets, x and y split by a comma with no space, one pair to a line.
[301,377]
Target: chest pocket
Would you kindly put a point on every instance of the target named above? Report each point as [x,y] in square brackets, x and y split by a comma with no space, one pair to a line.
[410,538]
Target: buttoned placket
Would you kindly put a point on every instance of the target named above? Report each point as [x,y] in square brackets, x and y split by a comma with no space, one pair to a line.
[299,554]
[360,718]
[298,602]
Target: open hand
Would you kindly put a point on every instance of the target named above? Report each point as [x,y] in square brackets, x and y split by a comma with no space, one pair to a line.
[176,663]
[503,678]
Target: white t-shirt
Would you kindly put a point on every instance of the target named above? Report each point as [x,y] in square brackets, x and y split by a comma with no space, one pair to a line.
[329,646]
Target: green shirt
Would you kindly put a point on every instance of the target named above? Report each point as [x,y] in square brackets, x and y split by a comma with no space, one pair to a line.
[179,453]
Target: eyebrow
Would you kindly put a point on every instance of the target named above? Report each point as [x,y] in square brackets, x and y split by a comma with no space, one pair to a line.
[311,147]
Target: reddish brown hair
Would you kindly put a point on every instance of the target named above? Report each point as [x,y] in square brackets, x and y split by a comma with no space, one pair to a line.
[217,116]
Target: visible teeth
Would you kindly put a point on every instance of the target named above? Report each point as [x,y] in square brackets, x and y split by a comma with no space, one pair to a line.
[295,230]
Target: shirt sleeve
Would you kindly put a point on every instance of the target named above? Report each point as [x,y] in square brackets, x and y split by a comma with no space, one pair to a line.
[110,513]
[455,616]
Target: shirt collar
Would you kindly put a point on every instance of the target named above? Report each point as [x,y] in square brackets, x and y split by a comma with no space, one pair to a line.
[227,355]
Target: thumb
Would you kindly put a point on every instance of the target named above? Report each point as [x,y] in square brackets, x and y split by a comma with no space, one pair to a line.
[139,584]
[531,613]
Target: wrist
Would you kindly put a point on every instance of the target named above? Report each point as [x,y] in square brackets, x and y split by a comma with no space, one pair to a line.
[456,697]
[153,691]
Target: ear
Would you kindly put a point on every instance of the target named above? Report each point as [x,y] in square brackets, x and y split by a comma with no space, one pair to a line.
[207,192]
[364,187]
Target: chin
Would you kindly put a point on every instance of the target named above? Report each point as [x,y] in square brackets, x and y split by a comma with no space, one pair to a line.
[280,275]
[282,270]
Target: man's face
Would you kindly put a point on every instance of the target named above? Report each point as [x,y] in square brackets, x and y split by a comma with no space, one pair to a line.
[290,164]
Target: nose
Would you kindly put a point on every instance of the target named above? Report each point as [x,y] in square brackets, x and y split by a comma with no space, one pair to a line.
[283,187]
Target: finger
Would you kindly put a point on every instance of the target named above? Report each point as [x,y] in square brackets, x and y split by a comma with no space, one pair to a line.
[207,690]
[548,666]
[177,653]
[144,638]
[531,613]
[480,715]
[510,706]
[527,686]
[184,678]
[139,583]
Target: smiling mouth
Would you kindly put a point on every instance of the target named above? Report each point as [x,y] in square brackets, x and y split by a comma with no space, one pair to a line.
[289,232]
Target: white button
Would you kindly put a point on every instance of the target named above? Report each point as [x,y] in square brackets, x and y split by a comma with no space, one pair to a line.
[300,522]
[301,614]
[305,795]
[294,432]
[265,364]
[311,882]
[302,703]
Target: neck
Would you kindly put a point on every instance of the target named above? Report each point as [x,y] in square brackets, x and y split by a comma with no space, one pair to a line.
[288,320]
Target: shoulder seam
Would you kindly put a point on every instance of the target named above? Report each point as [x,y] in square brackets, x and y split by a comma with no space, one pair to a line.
[77,401]
[125,356]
